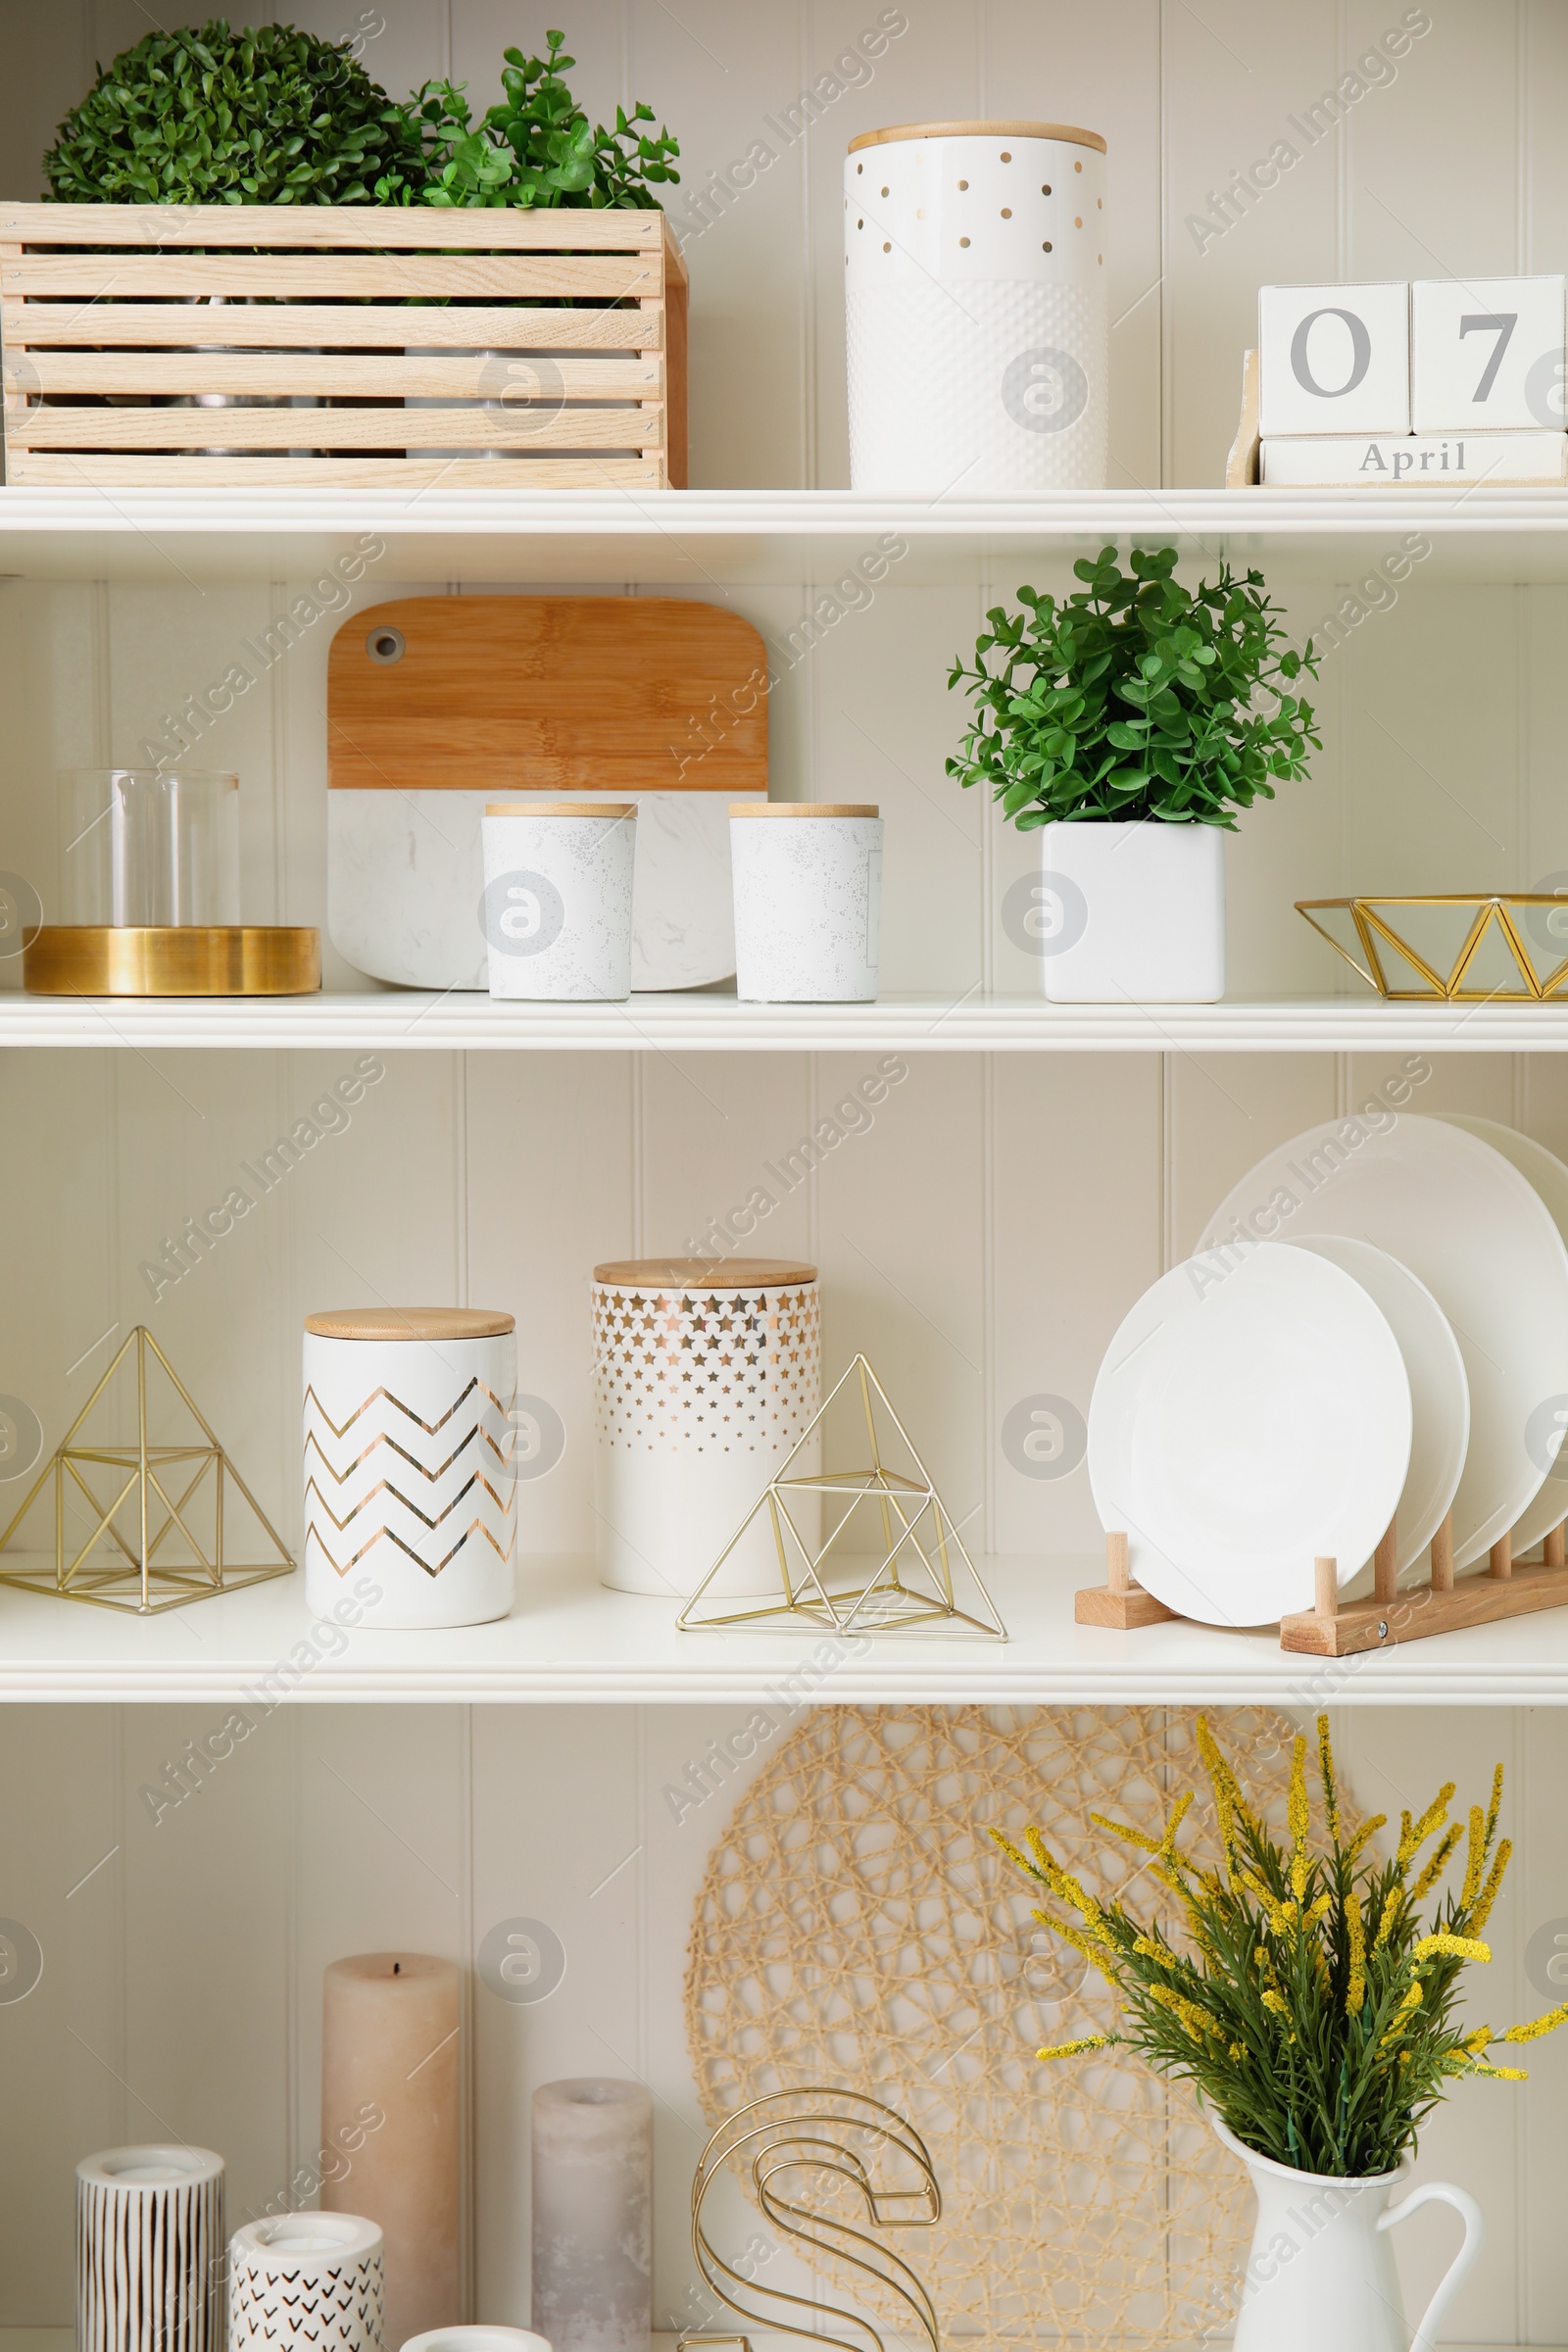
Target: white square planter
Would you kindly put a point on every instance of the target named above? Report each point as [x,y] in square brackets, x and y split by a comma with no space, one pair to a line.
[1130,914]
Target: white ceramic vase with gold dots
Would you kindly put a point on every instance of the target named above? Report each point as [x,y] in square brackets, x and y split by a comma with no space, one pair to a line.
[706,1375]
[975,267]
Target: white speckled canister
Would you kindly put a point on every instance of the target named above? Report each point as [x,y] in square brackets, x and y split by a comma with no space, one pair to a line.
[557,891]
[706,1375]
[976,327]
[410,1487]
[808,901]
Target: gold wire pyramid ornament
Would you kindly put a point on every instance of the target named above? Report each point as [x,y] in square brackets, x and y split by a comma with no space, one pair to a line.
[1460,947]
[909,1585]
[168,1499]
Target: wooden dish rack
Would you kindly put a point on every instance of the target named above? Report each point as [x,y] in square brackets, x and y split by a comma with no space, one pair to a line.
[138,339]
[1339,1629]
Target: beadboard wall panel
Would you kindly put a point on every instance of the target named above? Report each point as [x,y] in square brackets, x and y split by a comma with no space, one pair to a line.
[180,1996]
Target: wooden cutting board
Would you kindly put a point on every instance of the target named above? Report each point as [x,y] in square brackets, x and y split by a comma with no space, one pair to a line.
[604,694]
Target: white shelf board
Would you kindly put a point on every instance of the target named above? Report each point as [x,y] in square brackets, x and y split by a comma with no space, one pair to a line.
[711,538]
[568,1638]
[393,1020]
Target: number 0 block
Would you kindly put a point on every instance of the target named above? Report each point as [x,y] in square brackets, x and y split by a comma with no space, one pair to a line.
[1335,359]
[1486,353]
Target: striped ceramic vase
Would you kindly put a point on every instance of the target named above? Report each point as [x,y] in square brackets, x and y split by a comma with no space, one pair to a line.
[150,2251]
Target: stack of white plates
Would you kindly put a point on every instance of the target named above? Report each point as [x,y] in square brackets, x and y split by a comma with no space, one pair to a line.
[1375,1330]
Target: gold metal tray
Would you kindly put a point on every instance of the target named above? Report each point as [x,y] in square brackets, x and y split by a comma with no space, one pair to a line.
[1455,948]
[249,960]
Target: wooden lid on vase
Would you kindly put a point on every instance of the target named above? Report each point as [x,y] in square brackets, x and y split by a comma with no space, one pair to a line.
[803,808]
[1069,132]
[704,1273]
[410,1323]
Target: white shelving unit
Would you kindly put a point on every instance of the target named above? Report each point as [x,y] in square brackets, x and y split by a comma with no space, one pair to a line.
[569,1639]
[713,1022]
[706,539]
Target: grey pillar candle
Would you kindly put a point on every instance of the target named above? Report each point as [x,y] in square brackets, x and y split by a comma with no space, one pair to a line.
[593,2144]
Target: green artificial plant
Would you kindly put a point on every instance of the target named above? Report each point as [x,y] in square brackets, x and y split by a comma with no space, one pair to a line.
[1136,698]
[267,116]
[536,147]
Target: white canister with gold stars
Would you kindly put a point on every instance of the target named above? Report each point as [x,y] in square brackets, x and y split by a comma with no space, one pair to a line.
[706,1376]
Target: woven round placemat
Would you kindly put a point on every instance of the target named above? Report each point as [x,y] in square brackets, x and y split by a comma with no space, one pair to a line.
[856,1927]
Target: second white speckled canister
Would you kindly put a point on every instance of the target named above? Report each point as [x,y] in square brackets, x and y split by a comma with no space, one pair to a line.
[558,893]
[808,901]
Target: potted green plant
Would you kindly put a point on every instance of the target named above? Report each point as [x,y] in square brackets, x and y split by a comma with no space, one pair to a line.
[1129,722]
[1303,1994]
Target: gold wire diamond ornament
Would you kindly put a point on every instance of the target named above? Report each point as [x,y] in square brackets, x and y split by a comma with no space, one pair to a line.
[158,1538]
[911,1584]
[1463,947]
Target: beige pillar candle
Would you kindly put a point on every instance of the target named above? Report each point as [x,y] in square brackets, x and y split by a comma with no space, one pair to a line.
[390,2045]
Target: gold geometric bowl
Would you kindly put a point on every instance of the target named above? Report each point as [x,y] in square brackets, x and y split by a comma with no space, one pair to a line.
[1459,948]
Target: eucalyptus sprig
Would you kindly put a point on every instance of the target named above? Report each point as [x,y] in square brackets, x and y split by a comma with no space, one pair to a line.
[1136,698]
[267,116]
[1299,1990]
[536,147]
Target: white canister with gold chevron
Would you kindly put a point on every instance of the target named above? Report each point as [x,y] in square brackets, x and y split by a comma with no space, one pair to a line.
[409,1477]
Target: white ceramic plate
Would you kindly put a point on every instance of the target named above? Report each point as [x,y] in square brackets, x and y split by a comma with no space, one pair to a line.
[1469,1227]
[1543,1170]
[1252,1414]
[1440,1393]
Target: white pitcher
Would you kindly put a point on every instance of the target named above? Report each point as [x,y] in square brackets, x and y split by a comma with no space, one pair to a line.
[1320,2271]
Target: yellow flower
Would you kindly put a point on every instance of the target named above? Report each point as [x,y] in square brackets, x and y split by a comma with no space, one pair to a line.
[1319,1910]
[1489,1893]
[1070,2049]
[1475,1858]
[1401,2015]
[1368,1830]
[1542,2025]
[1503,2074]
[1122,1828]
[1356,1929]
[1178,1814]
[1415,1835]
[1325,1766]
[1435,1867]
[1298,1817]
[1495,1805]
[1392,1908]
[1463,1947]
[1478,2040]
[1193,2018]
[1014,1854]
[1277,2002]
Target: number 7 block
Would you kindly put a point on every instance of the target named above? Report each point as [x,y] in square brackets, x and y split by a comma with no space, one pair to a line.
[1487,355]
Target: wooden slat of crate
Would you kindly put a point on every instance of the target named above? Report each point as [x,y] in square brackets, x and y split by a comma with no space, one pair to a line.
[129,472]
[95,276]
[72,325]
[45,427]
[167,375]
[373,227]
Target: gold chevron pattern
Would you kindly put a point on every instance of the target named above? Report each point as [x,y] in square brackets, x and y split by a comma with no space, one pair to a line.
[412,1505]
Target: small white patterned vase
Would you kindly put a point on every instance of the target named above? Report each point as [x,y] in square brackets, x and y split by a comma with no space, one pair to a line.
[307,2282]
[149,2250]
[808,902]
[707,1374]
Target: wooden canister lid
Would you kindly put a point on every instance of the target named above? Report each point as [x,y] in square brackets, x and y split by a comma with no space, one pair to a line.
[1066,132]
[410,1323]
[803,808]
[560,808]
[702,1273]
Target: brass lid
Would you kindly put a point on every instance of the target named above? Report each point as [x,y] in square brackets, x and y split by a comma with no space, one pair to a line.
[410,1323]
[803,808]
[560,808]
[1067,131]
[704,1273]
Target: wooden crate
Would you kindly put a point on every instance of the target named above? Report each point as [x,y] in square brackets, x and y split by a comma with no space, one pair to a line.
[108,315]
